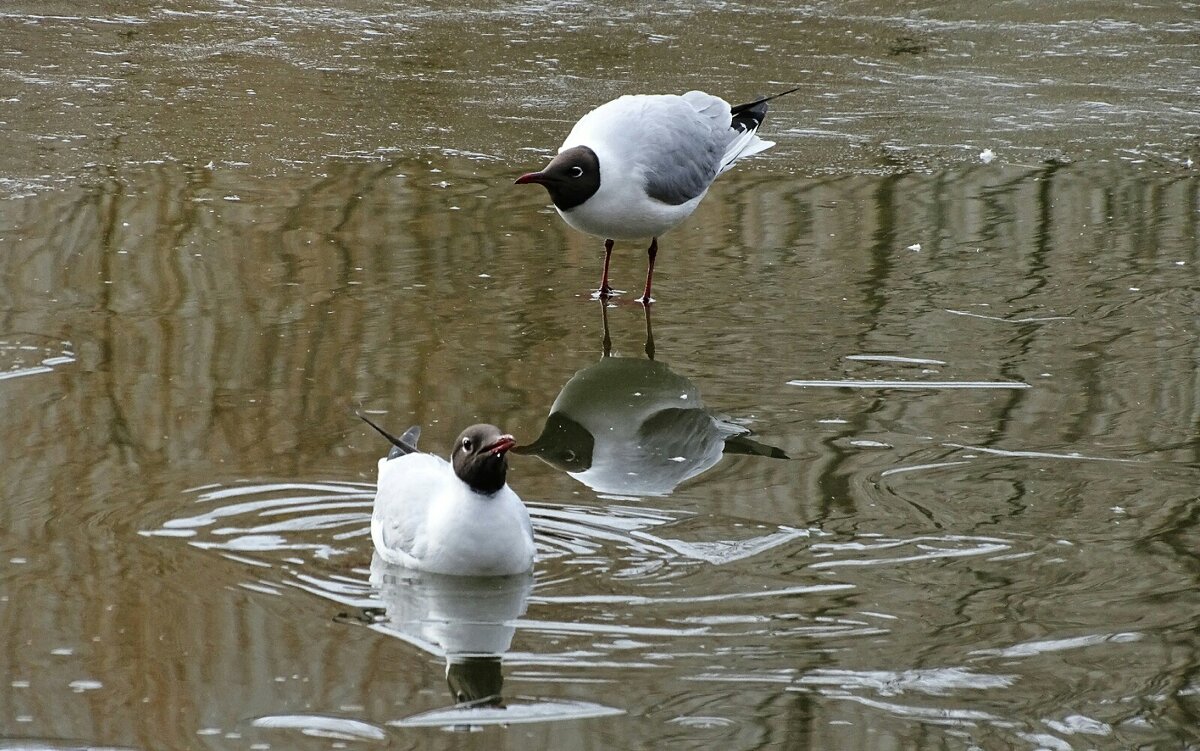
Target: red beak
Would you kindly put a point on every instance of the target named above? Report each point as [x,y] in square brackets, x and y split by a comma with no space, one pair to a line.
[531,177]
[503,444]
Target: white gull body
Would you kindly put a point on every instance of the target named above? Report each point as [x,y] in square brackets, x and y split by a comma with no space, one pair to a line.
[459,518]
[426,518]
[668,145]
[637,166]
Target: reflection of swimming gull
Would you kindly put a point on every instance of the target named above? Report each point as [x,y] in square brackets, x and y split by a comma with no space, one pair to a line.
[451,518]
[633,427]
[467,620]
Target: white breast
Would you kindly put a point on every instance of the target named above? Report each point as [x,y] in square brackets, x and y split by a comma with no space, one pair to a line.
[621,210]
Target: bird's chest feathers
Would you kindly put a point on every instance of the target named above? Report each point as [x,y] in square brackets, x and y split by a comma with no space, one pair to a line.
[475,530]
[460,514]
[621,210]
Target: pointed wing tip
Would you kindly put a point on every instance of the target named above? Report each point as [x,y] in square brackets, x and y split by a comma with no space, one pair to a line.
[406,444]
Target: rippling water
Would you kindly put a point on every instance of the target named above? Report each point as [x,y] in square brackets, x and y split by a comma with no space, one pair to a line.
[904,456]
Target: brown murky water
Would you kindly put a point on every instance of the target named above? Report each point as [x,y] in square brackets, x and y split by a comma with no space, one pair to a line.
[914,462]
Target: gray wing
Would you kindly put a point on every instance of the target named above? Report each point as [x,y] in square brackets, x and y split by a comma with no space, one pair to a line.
[407,444]
[689,138]
[678,176]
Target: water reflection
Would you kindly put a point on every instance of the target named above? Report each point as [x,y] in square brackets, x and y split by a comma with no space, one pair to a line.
[628,426]
[995,545]
[30,354]
[467,620]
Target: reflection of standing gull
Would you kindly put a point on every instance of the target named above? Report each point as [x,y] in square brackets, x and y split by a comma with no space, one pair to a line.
[469,621]
[632,426]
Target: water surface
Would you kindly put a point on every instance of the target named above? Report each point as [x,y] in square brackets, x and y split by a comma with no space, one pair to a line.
[913,433]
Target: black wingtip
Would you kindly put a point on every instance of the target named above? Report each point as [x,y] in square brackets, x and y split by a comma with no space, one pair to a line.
[748,105]
[744,446]
[750,115]
[400,446]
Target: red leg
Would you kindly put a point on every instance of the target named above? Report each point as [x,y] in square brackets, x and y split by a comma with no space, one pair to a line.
[651,252]
[606,290]
[649,334]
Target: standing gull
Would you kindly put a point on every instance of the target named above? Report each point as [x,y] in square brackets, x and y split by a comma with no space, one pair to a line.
[639,165]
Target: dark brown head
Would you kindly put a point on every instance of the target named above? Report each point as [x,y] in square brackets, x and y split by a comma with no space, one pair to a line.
[572,177]
[564,444]
[475,681]
[480,457]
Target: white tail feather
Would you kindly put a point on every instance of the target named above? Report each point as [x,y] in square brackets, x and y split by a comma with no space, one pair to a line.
[745,144]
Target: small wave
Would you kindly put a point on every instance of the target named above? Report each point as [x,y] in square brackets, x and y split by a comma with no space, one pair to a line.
[31,354]
[513,713]
[322,726]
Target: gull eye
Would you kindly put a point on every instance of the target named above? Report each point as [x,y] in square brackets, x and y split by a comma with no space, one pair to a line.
[466,444]
[577,171]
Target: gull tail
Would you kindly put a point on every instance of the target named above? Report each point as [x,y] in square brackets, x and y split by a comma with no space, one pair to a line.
[750,115]
[405,444]
[746,119]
